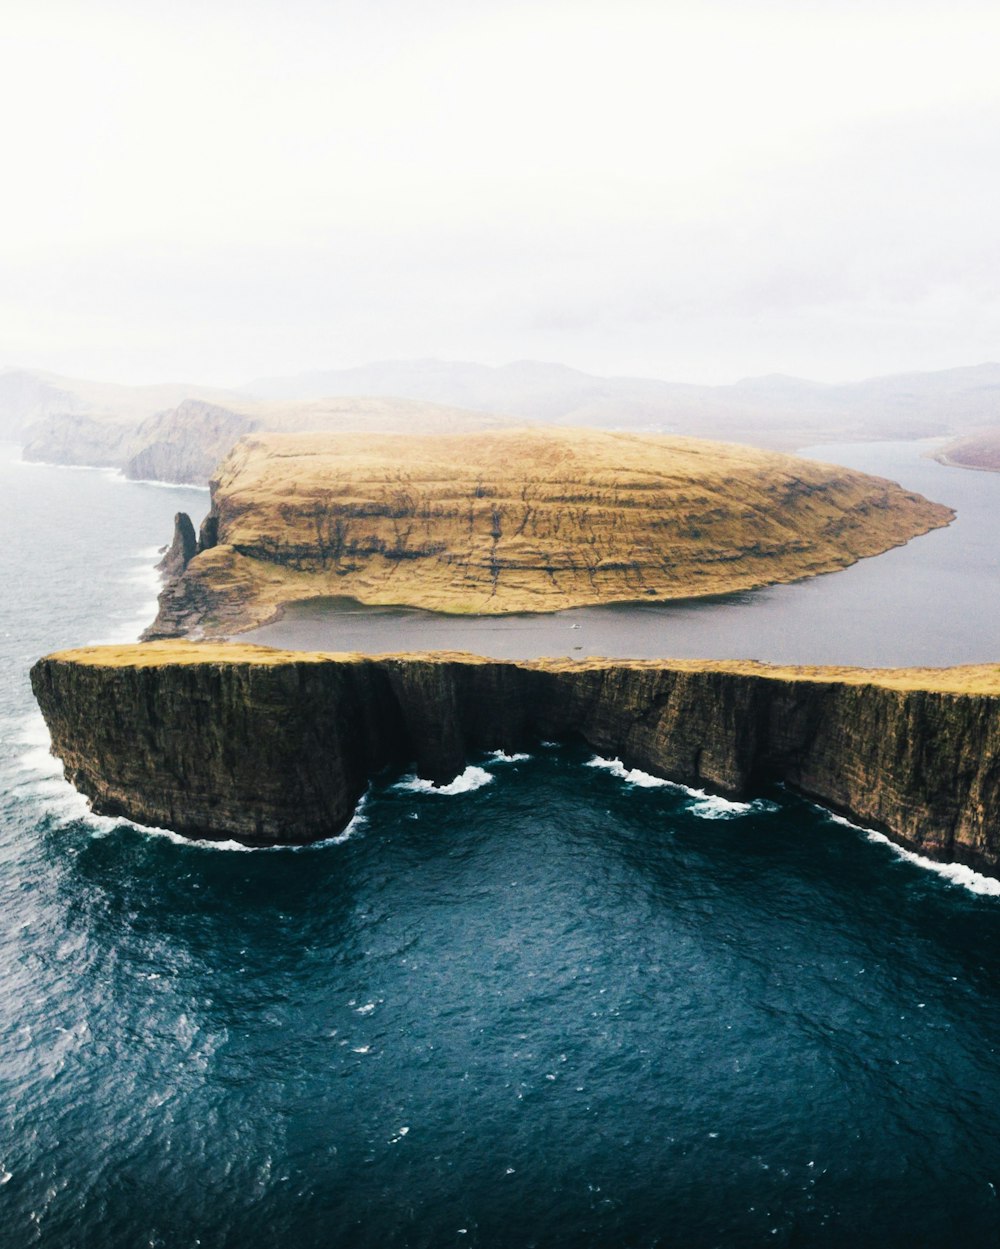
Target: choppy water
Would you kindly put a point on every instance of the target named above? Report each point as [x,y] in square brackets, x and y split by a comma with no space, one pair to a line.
[561,1005]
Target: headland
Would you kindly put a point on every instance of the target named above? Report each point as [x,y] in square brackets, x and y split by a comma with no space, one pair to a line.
[525,520]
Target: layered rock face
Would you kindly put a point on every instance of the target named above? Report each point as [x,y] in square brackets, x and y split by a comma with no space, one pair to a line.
[524,520]
[277,747]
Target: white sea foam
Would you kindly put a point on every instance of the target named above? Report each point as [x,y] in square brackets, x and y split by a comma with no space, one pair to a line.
[34,756]
[358,821]
[633,776]
[704,805]
[956,873]
[472,778]
[149,578]
[109,471]
[161,485]
[501,756]
[714,807]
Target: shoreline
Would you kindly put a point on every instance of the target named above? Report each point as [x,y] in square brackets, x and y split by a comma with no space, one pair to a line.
[906,752]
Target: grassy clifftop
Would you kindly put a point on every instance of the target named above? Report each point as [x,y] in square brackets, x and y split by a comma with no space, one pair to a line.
[977,679]
[524,520]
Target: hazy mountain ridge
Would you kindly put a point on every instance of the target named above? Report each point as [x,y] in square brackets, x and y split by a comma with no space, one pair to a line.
[773,409]
[152,430]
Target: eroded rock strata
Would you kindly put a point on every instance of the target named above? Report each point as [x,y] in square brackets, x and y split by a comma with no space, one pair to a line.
[525,520]
[277,747]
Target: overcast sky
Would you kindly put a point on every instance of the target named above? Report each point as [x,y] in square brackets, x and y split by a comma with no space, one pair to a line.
[215,191]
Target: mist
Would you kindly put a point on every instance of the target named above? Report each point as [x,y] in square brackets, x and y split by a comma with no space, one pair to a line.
[693,192]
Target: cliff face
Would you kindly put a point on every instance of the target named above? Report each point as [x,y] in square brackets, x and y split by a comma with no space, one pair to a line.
[521,520]
[177,434]
[76,438]
[277,747]
[186,443]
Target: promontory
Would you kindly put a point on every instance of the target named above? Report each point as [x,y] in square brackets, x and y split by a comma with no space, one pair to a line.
[277,747]
[521,520]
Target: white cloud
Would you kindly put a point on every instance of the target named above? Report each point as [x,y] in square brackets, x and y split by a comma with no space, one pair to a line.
[225,190]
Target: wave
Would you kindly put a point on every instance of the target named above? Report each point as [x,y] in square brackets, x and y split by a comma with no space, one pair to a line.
[357,822]
[472,778]
[501,756]
[703,804]
[715,807]
[31,735]
[163,485]
[109,469]
[633,776]
[955,873]
[147,577]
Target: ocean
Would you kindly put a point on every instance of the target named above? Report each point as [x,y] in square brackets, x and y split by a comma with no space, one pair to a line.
[558,1004]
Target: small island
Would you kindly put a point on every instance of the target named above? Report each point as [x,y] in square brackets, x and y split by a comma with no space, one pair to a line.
[522,520]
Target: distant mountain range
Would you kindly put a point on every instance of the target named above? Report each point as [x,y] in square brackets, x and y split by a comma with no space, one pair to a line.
[773,409]
[158,429]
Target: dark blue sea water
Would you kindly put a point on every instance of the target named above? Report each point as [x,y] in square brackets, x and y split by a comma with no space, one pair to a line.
[557,1006]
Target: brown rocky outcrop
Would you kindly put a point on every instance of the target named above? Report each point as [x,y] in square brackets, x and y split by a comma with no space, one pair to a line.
[277,747]
[182,549]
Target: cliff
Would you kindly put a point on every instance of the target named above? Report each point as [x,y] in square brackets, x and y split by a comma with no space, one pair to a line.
[64,420]
[77,438]
[277,747]
[520,520]
[186,443]
[179,434]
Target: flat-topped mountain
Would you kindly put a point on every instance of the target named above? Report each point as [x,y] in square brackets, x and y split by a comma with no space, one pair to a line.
[520,520]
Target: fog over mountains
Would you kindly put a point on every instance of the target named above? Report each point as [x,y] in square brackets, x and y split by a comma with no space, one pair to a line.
[178,431]
[772,409]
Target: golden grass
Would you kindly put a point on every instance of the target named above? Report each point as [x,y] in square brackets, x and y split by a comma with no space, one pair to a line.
[531,520]
[962,679]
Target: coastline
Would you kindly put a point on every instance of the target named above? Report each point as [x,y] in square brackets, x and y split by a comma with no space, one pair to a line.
[905,752]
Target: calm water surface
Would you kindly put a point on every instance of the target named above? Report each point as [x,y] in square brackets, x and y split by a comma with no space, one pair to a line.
[934,601]
[558,1006]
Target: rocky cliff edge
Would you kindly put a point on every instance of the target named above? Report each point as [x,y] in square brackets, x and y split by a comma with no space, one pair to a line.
[275,747]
